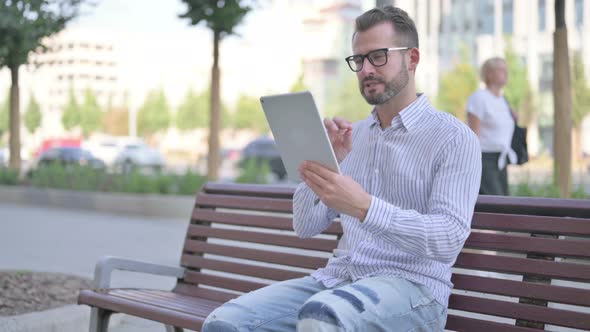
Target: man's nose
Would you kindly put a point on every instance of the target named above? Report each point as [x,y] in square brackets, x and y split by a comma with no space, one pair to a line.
[368,68]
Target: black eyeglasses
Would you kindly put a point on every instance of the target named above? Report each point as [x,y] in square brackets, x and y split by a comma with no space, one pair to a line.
[377,58]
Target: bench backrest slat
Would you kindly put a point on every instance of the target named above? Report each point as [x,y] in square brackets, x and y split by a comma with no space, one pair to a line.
[524,223]
[296,260]
[517,265]
[241,238]
[527,244]
[537,313]
[262,238]
[199,262]
[553,293]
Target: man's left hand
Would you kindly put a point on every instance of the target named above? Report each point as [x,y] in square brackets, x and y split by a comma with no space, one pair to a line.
[338,192]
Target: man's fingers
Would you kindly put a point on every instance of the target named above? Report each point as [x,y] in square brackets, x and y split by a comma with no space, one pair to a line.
[342,123]
[318,169]
[330,125]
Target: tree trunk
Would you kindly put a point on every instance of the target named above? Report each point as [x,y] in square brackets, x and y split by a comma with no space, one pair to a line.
[214,120]
[562,101]
[14,141]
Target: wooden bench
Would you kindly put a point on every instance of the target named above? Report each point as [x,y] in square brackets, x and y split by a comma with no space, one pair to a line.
[240,238]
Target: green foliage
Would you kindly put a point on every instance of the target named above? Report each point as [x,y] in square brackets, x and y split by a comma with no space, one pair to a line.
[299,84]
[347,102]
[71,116]
[526,189]
[26,22]
[33,115]
[254,171]
[154,114]
[518,91]
[194,111]
[8,176]
[581,91]
[85,178]
[221,17]
[456,86]
[90,114]
[249,114]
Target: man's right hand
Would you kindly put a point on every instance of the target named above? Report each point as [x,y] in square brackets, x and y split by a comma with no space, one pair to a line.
[340,133]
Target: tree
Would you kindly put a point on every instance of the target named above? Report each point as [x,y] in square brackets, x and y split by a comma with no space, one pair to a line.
[456,86]
[221,17]
[581,100]
[90,114]
[249,115]
[562,101]
[115,121]
[71,117]
[33,115]
[4,114]
[193,112]
[23,24]
[154,114]
[347,102]
[518,91]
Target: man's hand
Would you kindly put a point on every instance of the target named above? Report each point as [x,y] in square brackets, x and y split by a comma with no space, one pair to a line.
[340,133]
[338,192]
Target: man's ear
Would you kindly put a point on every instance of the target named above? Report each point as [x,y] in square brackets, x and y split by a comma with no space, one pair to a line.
[414,55]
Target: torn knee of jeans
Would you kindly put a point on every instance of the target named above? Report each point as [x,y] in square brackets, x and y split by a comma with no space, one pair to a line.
[319,311]
[219,326]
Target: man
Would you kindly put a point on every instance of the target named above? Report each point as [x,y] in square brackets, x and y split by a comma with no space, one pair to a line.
[406,196]
[490,117]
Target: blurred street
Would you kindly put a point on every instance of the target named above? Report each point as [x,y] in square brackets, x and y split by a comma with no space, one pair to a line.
[71,241]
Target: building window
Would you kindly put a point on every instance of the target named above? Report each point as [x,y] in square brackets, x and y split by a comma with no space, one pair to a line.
[485,24]
[546,77]
[579,6]
[542,16]
[507,17]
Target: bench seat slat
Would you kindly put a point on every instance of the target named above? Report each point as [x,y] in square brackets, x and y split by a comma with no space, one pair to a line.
[204,293]
[222,281]
[553,293]
[262,238]
[531,224]
[515,265]
[177,302]
[466,324]
[269,222]
[515,243]
[530,312]
[239,268]
[164,315]
[256,255]
[245,203]
[536,206]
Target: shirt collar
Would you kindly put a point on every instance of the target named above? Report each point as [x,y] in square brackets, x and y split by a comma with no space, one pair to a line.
[410,115]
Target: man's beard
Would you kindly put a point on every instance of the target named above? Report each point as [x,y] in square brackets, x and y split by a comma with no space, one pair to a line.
[392,88]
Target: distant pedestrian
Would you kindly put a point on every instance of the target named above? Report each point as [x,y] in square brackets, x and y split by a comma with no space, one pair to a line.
[490,117]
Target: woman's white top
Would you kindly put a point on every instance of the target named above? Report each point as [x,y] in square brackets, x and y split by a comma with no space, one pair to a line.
[496,124]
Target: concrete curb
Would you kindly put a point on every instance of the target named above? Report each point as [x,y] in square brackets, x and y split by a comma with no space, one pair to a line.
[152,205]
[70,318]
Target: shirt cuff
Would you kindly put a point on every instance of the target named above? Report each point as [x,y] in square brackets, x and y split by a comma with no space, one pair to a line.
[380,215]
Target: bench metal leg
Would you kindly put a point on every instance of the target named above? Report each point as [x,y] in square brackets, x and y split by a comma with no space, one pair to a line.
[99,320]
[170,328]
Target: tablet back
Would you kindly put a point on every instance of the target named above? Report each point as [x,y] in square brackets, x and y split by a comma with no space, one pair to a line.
[299,131]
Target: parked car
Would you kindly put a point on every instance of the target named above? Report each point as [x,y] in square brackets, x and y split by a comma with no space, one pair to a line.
[69,155]
[265,149]
[138,155]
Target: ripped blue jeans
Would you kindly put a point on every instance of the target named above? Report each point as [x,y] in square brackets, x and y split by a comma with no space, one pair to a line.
[371,304]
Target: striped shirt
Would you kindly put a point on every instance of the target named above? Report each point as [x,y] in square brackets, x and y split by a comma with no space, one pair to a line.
[423,173]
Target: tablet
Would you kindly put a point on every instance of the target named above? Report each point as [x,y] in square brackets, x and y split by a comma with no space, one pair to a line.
[298,131]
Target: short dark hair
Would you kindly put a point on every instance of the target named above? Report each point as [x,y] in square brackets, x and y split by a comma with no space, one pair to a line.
[402,23]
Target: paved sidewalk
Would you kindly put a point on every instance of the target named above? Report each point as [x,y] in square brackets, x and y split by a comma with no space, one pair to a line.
[71,241]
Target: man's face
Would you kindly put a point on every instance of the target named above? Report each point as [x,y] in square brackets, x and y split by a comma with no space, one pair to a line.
[379,84]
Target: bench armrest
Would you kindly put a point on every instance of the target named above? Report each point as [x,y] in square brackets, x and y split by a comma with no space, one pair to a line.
[107,264]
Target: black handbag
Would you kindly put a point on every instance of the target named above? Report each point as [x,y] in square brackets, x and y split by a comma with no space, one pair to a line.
[518,143]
